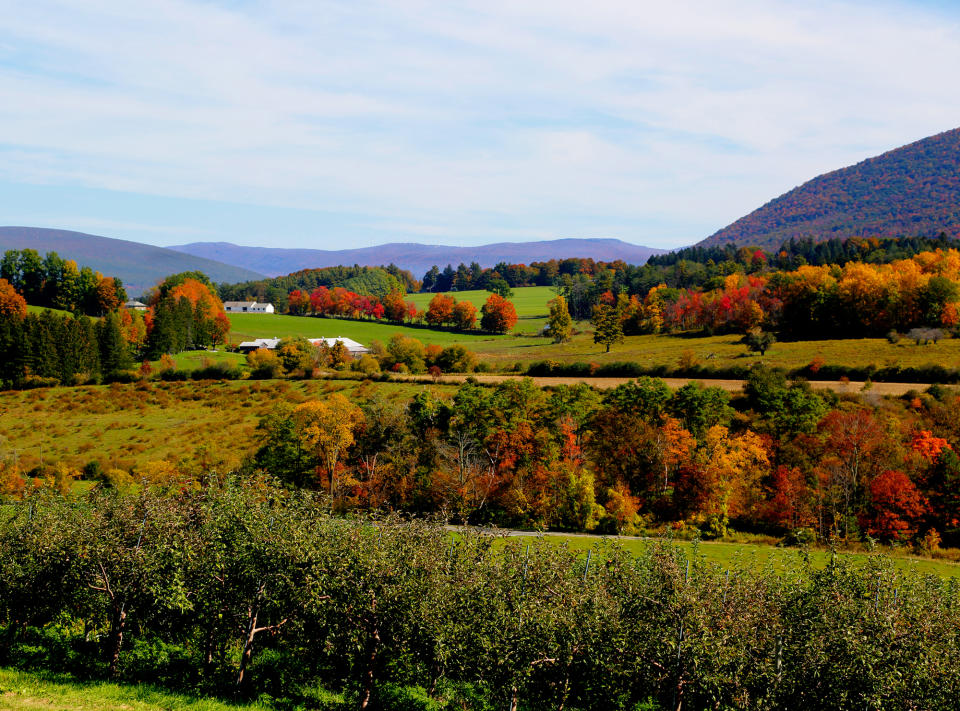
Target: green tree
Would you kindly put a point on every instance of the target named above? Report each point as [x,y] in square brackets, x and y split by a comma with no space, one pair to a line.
[560,323]
[607,325]
[114,350]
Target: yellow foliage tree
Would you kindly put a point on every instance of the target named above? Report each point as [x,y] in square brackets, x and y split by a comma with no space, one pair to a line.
[327,429]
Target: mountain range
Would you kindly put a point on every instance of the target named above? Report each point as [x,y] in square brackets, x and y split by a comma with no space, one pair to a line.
[910,191]
[418,258]
[139,266]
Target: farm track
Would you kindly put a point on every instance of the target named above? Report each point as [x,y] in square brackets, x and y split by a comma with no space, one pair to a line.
[894,389]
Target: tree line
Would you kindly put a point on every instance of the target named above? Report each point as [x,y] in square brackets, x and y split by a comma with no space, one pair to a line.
[52,348]
[238,587]
[780,459]
[498,315]
[56,283]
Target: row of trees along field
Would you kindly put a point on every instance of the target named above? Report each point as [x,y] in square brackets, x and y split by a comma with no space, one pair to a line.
[781,459]
[684,268]
[51,348]
[245,589]
[50,281]
[376,282]
[498,315]
[854,301]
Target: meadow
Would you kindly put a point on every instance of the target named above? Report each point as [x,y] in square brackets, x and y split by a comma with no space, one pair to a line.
[23,691]
[213,423]
[126,426]
[524,346]
[735,555]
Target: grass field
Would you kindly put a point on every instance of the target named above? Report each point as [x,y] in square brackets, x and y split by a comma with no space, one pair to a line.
[191,360]
[41,309]
[718,351]
[246,327]
[753,556]
[529,301]
[128,425]
[21,691]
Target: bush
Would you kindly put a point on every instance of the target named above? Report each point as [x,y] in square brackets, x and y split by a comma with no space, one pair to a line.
[799,537]
[217,371]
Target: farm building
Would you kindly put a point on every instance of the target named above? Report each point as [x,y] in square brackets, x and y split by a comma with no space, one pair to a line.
[353,348]
[135,305]
[268,343]
[247,307]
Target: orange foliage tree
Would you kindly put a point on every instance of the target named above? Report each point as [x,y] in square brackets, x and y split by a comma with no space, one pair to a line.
[11,303]
[499,315]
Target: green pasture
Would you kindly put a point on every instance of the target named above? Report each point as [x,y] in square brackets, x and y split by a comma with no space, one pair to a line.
[529,301]
[720,351]
[192,360]
[247,327]
[20,691]
[41,309]
[754,556]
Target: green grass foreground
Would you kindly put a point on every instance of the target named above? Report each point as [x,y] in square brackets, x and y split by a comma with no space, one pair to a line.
[755,556]
[21,690]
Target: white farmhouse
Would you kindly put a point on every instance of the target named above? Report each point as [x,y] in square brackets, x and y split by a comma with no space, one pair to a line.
[247,307]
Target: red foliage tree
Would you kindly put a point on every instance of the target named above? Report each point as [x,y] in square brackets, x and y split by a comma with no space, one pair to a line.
[440,310]
[499,315]
[298,303]
[896,507]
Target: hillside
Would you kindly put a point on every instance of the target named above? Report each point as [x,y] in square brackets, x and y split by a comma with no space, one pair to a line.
[418,258]
[140,266]
[913,190]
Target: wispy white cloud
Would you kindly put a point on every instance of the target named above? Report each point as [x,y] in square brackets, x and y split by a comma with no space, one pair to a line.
[653,122]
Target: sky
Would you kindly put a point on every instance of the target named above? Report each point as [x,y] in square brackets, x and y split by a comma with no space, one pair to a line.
[313,123]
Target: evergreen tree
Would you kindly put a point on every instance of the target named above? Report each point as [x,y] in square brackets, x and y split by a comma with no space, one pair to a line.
[114,351]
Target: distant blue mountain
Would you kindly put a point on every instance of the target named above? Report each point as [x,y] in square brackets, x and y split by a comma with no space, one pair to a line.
[418,258]
[139,266]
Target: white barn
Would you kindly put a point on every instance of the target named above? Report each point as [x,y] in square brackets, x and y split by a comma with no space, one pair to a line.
[353,348]
[268,343]
[247,307]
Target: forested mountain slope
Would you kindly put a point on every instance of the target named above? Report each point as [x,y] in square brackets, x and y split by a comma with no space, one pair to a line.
[913,190]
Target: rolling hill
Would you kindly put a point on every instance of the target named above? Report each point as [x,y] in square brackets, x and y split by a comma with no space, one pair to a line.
[418,258]
[140,266]
[910,191]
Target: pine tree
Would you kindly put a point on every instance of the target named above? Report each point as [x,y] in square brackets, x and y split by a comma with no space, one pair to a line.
[114,352]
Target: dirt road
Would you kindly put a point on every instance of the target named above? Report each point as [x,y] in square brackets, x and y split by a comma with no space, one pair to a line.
[853,386]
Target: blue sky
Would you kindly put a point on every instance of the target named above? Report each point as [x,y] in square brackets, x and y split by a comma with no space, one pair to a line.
[312,123]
